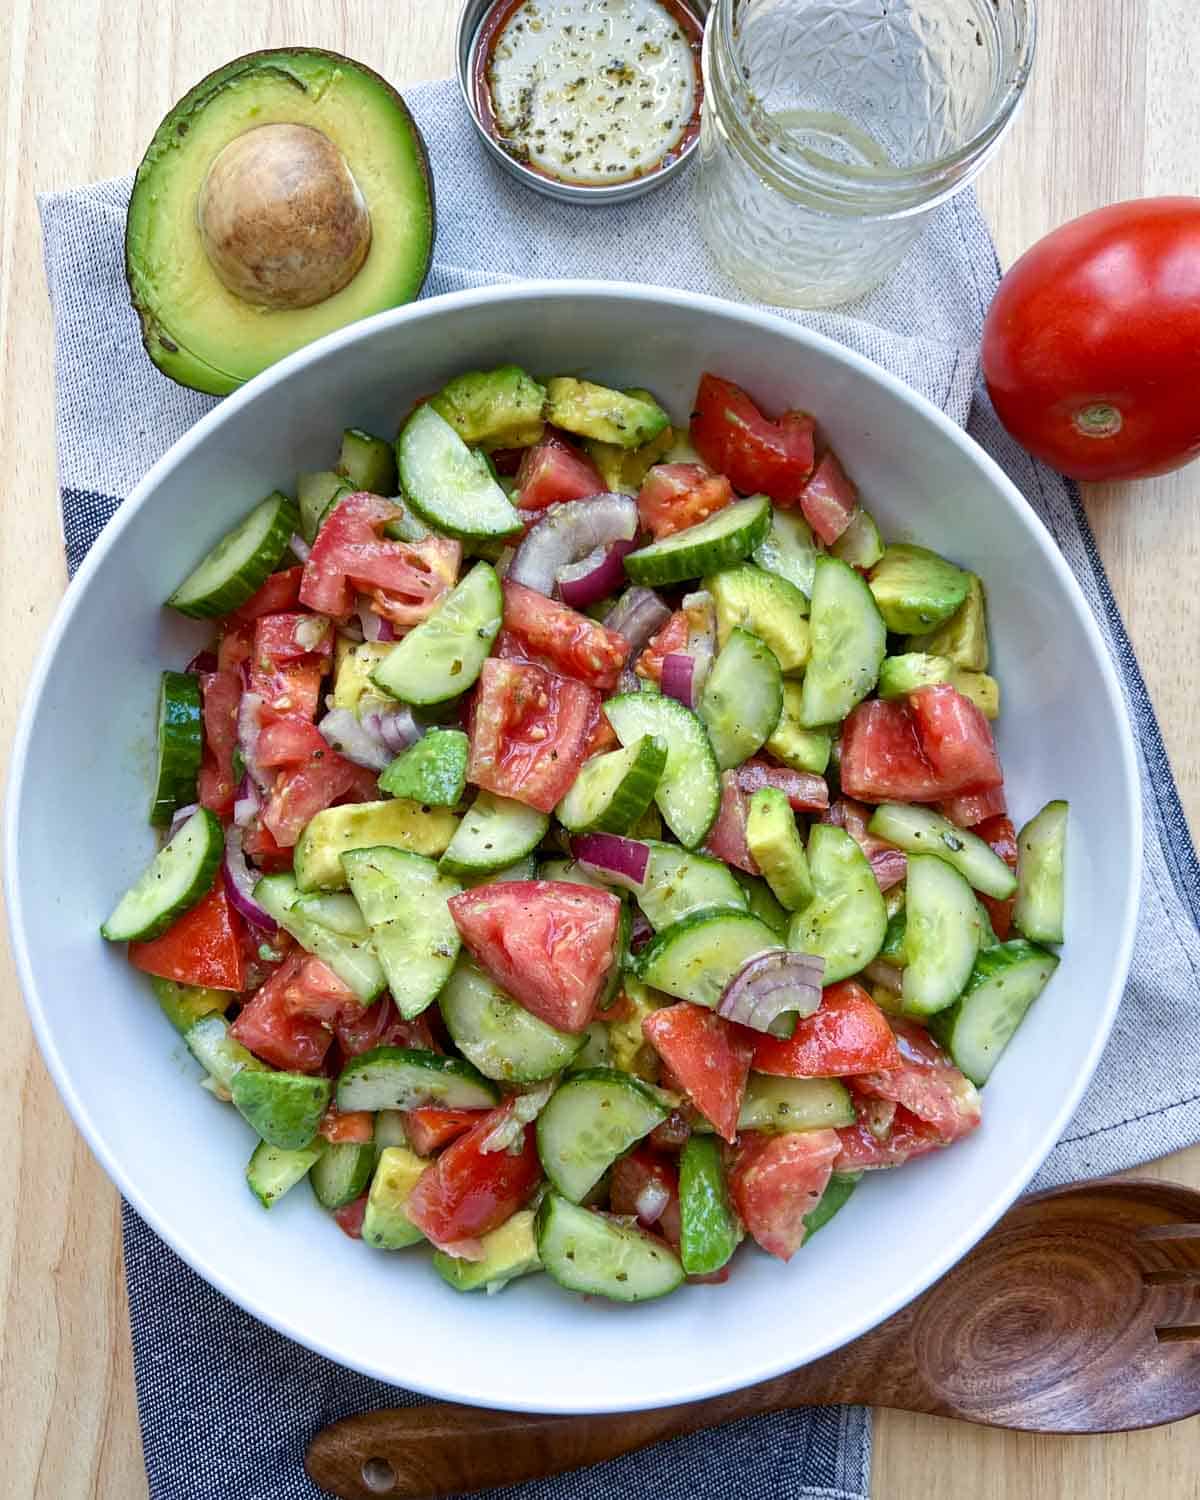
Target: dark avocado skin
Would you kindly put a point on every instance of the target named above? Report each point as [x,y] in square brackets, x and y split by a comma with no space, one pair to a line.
[164,348]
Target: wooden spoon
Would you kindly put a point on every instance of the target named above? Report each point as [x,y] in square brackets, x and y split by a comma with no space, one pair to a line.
[1077,1313]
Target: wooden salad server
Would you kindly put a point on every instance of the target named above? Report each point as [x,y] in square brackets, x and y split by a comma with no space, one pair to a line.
[1077,1313]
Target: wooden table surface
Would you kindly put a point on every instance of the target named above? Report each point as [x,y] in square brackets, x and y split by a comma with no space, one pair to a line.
[1113,113]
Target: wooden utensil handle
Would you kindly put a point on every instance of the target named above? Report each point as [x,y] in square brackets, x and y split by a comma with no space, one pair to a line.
[415,1453]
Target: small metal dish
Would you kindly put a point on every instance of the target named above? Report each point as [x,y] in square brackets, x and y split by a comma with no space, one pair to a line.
[470,18]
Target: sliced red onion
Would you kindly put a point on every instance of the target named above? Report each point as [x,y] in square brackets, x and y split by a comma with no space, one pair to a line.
[300,548]
[357,742]
[240,881]
[203,663]
[629,681]
[640,933]
[881,971]
[772,989]
[568,533]
[623,861]
[395,728]
[182,814]
[637,615]
[602,572]
[678,675]
[701,611]
[248,802]
[890,867]
[651,1202]
[249,727]
[374,626]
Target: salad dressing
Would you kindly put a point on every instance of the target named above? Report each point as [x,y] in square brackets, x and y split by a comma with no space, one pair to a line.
[590,92]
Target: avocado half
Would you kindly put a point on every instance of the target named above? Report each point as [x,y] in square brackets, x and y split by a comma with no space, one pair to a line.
[286,195]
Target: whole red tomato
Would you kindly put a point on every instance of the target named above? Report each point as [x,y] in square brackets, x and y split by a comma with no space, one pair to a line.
[1091,349]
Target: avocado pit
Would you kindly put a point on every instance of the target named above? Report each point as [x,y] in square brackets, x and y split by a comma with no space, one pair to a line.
[282,220]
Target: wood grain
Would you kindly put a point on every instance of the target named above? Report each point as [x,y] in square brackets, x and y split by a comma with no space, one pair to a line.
[1113,112]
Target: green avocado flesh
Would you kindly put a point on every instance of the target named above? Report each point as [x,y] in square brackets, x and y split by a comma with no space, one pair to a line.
[194,329]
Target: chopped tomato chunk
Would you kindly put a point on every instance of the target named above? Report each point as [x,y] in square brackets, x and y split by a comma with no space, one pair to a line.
[676,496]
[829,499]
[530,730]
[777,1180]
[670,640]
[350,1217]
[289,742]
[553,471]
[202,948]
[969,808]
[926,1083]
[291,688]
[727,837]
[550,944]
[805,792]
[429,1129]
[882,759]
[848,1034]
[467,1191]
[220,693]
[709,1056]
[864,1148]
[236,645]
[381,1025]
[559,637]
[956,739]
[272,1031]
[280,592]
[355,1127]
[288,637]
[733,437]
[640,1180]
[258,843]
[316,991]
[1001,837]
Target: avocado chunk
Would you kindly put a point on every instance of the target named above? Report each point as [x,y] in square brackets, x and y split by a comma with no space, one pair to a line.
[400,823]
[963,637]
[499,408]
[766,605]
[790,551]
[432,772]
[629,1049]
[367,463]
[901,675]
[385,1224]
[353,665]
[916,589]
[796,746]
[509,1252]
[286,195]
[624,469]
[284,1108]
[596,411]
[184,1004]
[762,903]
[774,840]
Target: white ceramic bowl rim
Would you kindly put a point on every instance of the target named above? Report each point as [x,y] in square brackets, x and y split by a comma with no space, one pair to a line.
[963,1235]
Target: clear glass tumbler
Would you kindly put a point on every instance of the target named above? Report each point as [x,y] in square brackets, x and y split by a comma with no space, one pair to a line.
[833,128]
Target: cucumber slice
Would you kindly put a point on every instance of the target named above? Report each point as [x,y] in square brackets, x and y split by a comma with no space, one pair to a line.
[848,643]
[592,1118]
[837,1191]
[185,1004]
[271,1171]
[603,1257]
[508,1252]
[774,843]
[760,899]
[443,655]
[778,1105]
[696,958]
[315,494]
[941,936]
[341,1173]
[407,1078]
[240,563]
[789,551]
[742,699]
[179,745]
[919,830]
[403,901]
[178,876]
[367,463]
[432,772]
[1041,888]
[502,1038]
[572,873]
[596,1051]
[1006,980]
[386,1225]
[389,1129]
[448,484]
[725,538]
[525,868]
[860,544]
[709,1229]
[846,921]
[284,1108]
[493,833]
[613,790]
[689,790]
[314,921]
[679,883]
[221,1055]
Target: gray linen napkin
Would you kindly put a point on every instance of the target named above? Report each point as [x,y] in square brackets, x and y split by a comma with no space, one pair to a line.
[197,1356]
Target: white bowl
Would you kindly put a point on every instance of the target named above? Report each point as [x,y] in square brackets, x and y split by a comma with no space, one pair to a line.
[77,834]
